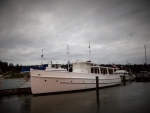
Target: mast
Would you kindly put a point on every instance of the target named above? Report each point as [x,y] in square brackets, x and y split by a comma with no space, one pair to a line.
[89,52]
[42,55]
[145,55]
[68,57]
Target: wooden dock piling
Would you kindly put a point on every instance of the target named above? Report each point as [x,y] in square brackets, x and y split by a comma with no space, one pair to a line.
[123,78]
[97,86]
[97,90]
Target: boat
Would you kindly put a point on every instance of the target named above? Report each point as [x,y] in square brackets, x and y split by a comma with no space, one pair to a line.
[143,76]
[55,79]
[123,73]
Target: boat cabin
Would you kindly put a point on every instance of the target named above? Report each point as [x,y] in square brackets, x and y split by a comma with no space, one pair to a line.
[102,69]
[122,72]
[55,67]
[89,67]
[82,67]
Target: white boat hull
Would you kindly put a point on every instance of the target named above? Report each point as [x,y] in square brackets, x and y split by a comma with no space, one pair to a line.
[123,73]
[50,82]
[127,78]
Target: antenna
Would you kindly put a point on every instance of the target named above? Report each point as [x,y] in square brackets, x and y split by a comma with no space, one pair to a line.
[145,55]
[42,55]
[68,56]
[89,52]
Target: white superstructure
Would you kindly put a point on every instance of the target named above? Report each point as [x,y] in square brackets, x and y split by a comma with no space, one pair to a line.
[51,80]
[56,67]
[127,75]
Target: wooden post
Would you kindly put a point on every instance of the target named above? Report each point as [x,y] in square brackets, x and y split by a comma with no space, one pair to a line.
[97,86]
[97,90]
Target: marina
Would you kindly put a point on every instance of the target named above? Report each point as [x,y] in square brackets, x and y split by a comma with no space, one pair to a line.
[74,56]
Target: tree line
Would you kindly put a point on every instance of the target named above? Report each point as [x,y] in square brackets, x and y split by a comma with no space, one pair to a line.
[9,67]
[134,68]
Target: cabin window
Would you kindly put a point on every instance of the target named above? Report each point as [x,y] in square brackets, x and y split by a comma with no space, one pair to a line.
[91,70]
[45,80]
[95,70]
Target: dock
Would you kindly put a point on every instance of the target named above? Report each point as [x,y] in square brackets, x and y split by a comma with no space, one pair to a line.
[24,88]
[18,91]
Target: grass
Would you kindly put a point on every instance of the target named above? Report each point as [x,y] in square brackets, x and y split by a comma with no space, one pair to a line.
[13,75]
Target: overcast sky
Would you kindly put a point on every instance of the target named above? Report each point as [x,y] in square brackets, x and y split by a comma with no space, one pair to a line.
[117,30]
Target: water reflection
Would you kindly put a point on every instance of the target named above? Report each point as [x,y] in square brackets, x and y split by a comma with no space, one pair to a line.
[15,104]
[26,105]
[82,102]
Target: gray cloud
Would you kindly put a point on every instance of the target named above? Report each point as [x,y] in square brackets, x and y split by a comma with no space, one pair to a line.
[117,30]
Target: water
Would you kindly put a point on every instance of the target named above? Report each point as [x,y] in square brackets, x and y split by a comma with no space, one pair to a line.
[11,83]
[130,98]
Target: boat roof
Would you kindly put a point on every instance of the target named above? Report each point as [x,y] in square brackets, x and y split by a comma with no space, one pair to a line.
[103,67]
[94,65]
[121,71]
[85,62]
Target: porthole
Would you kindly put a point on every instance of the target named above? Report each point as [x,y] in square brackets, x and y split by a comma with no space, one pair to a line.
[57,81]
[45,80]
[71,81]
